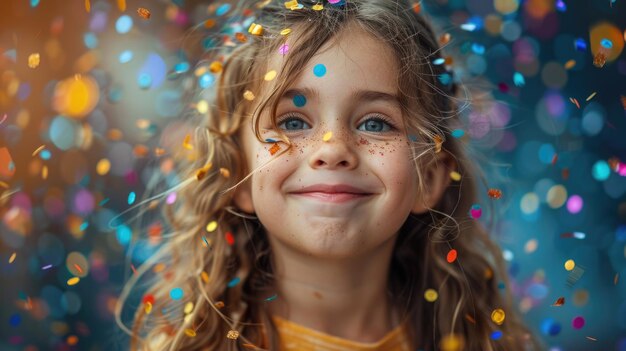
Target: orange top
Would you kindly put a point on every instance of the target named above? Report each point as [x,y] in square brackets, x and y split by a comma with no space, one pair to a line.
[297,337]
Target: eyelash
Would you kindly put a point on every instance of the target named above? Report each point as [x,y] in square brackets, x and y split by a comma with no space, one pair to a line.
[376,117]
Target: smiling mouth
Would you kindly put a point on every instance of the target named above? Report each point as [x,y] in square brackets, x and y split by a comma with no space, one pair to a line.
[333,197]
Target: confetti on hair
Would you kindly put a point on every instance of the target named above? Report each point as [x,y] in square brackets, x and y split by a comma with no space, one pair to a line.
[255,29]
[216,67]
[232,334]
[475,211]
[327,136]
[190,332]
[451,342]
[87,6]
[248,95]
[274,149]
[33,60]
[234,282]
[186,142]
[132,267]
[177,293]
[497,316]
[205,277]
[438,142]
[219,304]
[271,298]
[494,193]
[417,7]
[444,39]
[206,243]
[230,239]
[591,96]
[269,76]
[456,176]
[285,31]
[224,172]
[73,281]
[211,226]
[575,102]
[496,335]
[143,13]
[451,257]
[202,172]
[470,319]
[12,258]
[148,307]
[131,197]
[431,295]
[241,37]
[188,308]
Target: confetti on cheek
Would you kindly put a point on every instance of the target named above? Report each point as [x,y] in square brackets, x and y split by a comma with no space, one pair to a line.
[494,193]
[33,60]
[274,149]
[497,316]
[451,257]
[327,136]
[319,70]
[431,295]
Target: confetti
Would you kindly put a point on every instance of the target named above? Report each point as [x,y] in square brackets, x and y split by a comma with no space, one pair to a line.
[475,211]
[269,76]
[190,333]
[241,37]
[233,282]
[143,13]
[274,149]
[232,334]
[87,6]
[72,340]
[271,298]
[451,257]
[470,319]
[255,29]
[431,295]
[327,136]
[456,176]
[188,308]
[599,60]
[148,307]
[33,60]
[497,316]
[206,243]
[451,342]
[496,335]
[570,64]
[216,67]
[319,70]
[131,197]
[438,142]
[591,96]
[575,102]
[569,265]
[38,150]
[205,277]
[578,322]
[4,118]
[211,226]
[176,293]
[230,239]
[186,143]
[559,302]
[121,5]
[248,95]
[494,193]
[46,267]
[202,172]
[12,258]
[73,281]
[591,338]
[219,304]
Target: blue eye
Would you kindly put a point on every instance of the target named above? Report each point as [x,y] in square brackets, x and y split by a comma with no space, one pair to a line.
[376,124]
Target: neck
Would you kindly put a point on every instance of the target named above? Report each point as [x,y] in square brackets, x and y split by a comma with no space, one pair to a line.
[344,297]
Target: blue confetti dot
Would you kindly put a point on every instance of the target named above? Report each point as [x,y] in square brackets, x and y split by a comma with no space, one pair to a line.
[222,9]
[144,80]
[34,3]
[131,198]
[496,335]
[299,100]
[15,320]
[550,327]
[458,133]
[125,56]
[124,24]
[518,79]
[580,44]
[181,67]
[91,40]
[176,293]
[45,155]
[439,61]
[478,49]
[206,80]
[601,171]
[445,78]
[84,226]
[606,43]
[233,282]
[123,234]
[319,70]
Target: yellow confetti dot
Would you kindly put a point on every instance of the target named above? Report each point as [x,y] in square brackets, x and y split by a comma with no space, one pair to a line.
[202,106]
[186,143]
[569,265]
[224,172]
[201,173]
[148,307]
[570,64]
[103,166]
[255,29]
[87,6]
[219,304]
[12,258]
[159,268]
[317,7]
[248,95]
[456,176]
[327,136]
[44,172]
[285,31]
[188,307]
[451,342]
[232,334]
[190,333]
[33,60]
[205,277]
[497,316]
[211,226]
[215,67]
[591,96]
[121,4]
[431,295]
[73,281]
[270,75]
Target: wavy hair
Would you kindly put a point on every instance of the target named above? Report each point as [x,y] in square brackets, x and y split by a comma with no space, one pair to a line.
[216,314]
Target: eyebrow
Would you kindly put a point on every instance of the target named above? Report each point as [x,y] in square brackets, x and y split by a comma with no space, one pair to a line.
[359,95]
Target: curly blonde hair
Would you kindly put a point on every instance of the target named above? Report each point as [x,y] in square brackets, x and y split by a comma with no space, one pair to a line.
[203,264]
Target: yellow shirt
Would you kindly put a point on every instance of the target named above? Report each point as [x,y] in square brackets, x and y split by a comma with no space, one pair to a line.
[297,337]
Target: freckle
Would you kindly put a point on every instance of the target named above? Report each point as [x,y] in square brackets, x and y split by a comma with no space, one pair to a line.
[317,294]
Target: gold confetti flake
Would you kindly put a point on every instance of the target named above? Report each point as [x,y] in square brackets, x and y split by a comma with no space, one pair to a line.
[33,60]
[570,64]
[569,265]
[285,31]
[121,5]
[591,96]
[148,307]
[451,342]
[12,258]
[38,150]
[205,277]
[559,302]
[431,295]
[248,95]
[438,142]
[456,176]
[87,6]
[44,172]
[497,316]
[255,29]
[73,281]
[219,304]
[225,172]
[623,98]
[186,143]
[269,76]
[317,7]
[190,333]
[291,5]
[202,172]
[216,67]
[143,13]
[188,307]
[232,334]
[211,226]
[327,136]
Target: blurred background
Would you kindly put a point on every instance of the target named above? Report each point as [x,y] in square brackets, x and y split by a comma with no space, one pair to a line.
[91,98]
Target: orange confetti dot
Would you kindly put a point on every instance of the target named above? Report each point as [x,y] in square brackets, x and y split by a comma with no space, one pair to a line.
[143,13]
[72,340]
[12,258]
[224,172]
[570,64]
[219,304]
[241,37]
[417,7]
[121,4]
[438,142]
[190,333]
[87,5]
[209,23]
[186,143]
[559,302]
[274,149]
[451,256]
[230,239]
[494,193]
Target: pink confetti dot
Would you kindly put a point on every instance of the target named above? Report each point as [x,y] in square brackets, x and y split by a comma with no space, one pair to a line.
[578,322]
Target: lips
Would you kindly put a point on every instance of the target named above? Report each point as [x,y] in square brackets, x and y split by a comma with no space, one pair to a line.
[336,193]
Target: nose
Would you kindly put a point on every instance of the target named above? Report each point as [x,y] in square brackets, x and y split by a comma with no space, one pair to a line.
[333,154]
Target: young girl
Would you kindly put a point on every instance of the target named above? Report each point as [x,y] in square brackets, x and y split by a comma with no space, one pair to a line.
[326,203]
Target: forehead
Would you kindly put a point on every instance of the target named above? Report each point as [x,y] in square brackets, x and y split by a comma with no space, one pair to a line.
[353,60]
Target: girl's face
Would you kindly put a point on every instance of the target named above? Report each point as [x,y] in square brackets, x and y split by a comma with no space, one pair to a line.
[346,125]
